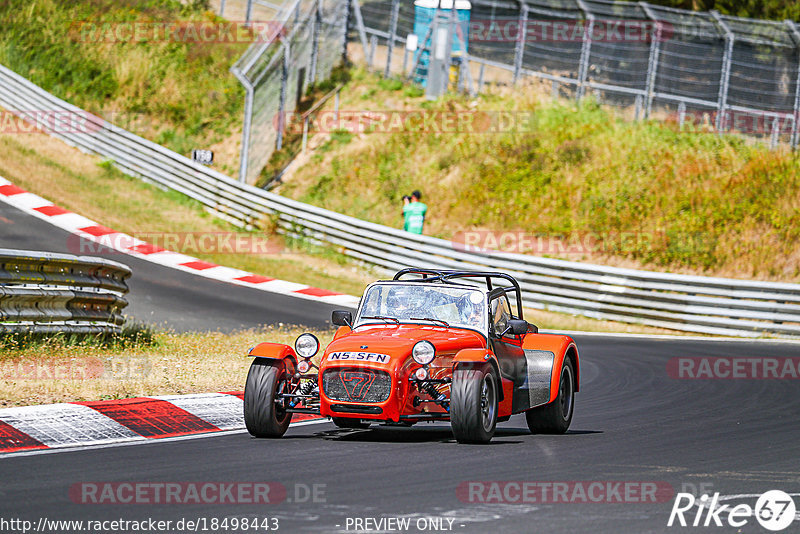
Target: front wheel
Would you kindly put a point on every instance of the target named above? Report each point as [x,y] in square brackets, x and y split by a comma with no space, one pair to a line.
[555,417]
[473,404]
[263,417]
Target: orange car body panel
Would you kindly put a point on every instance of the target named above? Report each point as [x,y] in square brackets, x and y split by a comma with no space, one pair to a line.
[273,351]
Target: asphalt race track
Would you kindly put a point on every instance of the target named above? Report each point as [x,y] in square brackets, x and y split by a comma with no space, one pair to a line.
[632,423]
[165,296]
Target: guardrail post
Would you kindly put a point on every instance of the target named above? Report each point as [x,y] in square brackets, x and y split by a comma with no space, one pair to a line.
[586,50]
[652,63]
[392,36]
[796,111]
[724,83]
[681,115]
[282,105]
[519,50]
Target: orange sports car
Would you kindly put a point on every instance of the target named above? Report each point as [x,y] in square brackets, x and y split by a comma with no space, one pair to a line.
[428,345]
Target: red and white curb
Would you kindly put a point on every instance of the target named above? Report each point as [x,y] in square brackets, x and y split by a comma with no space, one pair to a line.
[79,424]
[92,231]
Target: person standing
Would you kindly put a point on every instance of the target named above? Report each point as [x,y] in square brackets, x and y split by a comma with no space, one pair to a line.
[414,213]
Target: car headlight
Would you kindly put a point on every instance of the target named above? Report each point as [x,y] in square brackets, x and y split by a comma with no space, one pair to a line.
[306,345]
[423,352]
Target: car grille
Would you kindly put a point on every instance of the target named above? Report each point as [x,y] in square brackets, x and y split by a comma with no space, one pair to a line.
[357,385]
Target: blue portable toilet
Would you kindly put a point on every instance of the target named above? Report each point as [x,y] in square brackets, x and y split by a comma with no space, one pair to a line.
[424,13]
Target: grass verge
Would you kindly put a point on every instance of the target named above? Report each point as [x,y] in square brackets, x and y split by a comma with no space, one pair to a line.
[169,87]
[56,371]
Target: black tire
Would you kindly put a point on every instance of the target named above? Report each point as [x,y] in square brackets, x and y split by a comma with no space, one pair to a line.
[473,404]
[346,422]
[262,417]
[555,417]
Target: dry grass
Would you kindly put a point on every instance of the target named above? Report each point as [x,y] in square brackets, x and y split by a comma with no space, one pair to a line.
[177,364]
[76,181]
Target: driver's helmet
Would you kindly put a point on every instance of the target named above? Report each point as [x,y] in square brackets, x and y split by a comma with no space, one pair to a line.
[398,300]
[469,306]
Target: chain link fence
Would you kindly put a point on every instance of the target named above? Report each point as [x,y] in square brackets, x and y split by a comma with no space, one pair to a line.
[707,71]
[307,40]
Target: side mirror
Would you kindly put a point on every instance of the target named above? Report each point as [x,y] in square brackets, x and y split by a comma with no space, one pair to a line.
[518,327]
[342,318]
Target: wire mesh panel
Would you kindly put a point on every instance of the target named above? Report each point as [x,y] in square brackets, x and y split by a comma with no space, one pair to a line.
[265,119]
[692,50]
[554,38]
[278,71]
[331,37]
[620,44]
[494,30]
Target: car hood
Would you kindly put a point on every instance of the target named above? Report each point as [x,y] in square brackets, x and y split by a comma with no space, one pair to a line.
[397,341]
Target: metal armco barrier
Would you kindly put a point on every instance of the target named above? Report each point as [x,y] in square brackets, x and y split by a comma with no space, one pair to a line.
[689,303]
[44,292]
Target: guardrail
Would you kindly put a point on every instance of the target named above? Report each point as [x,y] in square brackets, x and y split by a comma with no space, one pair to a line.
[44,292]
[689,303]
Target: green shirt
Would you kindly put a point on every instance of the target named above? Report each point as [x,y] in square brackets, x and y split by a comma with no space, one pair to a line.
[414,214]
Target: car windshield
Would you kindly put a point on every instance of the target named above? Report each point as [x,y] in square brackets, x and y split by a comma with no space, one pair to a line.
[424,303]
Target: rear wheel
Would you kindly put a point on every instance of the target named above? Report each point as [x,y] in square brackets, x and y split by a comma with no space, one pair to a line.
[263,417]
[345,422]
[473,404]
[555,417]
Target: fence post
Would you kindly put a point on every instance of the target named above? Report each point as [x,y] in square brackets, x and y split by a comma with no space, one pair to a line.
[481,74]
[248,12]
[373,44]
[681,115]
[796,34]
[248,119]
[519,51]
[775,134]
[586,50]
[724,82]
[282,103]
[362,33]
[222,8]
[315,25]
[392,36]
[652,63]
[347,21]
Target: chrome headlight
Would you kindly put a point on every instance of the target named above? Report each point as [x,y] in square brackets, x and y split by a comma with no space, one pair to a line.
[423,352]
[306,345]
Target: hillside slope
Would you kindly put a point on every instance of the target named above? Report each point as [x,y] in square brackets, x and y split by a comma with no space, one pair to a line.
[585,183]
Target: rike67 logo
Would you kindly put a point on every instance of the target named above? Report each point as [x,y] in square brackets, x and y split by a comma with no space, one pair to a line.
[774,510]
